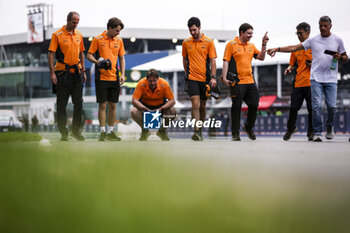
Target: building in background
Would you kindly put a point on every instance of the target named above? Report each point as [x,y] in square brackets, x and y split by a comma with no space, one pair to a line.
[25,85]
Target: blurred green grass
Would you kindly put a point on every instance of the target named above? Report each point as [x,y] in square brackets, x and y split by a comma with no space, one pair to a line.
[159,187]
[19,136]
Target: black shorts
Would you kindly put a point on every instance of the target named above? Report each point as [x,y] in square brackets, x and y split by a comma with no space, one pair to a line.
[154,107]
[107,91]
[197,88]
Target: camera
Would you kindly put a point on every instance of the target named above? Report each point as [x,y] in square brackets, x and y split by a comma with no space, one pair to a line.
[231,77]
[105,64]
[213,92]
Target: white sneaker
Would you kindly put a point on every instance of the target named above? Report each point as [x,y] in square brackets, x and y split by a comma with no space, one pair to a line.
[317,138]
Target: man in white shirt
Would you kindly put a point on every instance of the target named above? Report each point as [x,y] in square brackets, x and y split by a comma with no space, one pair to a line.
[327,50]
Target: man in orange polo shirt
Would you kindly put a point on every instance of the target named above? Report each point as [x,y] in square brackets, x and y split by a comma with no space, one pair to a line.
[68,75]
[237,59]
[301,85]
[152,94]
[199,63]
[108,48]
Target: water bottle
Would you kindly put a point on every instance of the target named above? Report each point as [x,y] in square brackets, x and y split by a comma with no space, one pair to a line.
[334,64]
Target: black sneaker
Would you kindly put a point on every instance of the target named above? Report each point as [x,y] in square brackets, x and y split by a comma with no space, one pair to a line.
[144,135]
[289,134]
[200,135]
[64,138]
[163,135]
[197,136]
[329,134]
[235,137]
[250,133]
[310,137]
[77,135]
[102,137]
[112,137]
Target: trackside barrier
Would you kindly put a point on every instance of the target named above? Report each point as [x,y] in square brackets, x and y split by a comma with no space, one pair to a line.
[263,125]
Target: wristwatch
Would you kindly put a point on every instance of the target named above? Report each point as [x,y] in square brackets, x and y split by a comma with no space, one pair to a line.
[213,76]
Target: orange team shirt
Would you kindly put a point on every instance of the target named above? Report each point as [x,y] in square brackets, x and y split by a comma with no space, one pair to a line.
[302,77]
[67,47]
[198,54]
[108,48]
[145,95]
[240,58]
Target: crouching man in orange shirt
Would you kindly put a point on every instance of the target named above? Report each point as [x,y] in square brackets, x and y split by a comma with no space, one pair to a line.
[152,93]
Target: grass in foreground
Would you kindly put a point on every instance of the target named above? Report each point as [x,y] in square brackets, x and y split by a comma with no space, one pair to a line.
[75,187]
[19,137]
